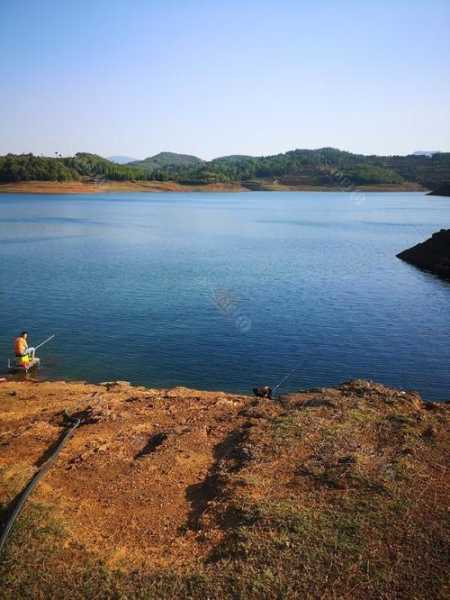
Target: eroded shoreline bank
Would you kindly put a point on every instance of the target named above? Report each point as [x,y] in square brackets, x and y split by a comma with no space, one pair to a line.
[78,187]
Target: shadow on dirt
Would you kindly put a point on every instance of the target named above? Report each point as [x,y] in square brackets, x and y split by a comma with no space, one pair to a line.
[228,457]
[153,443]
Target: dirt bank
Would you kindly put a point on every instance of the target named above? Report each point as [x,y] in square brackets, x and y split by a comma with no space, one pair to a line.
[335,492]
[90,187]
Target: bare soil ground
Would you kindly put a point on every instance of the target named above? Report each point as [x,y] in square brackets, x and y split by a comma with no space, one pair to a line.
[90,187]
[329,493]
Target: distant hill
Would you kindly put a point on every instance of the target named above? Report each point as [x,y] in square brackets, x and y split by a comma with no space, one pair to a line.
[121,160]
[425,152]
[167,160]
[322,167]
[82,166]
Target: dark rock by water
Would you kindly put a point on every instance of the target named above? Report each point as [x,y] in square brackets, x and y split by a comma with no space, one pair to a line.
[432,255]
[442,190]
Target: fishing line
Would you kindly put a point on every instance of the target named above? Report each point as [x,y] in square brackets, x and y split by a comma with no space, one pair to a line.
[286,377]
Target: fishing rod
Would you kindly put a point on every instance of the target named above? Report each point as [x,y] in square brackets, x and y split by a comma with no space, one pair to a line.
[45,341]
[266,391]
[286,377]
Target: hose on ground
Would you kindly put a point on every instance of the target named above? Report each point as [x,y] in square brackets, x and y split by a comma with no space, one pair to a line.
[20,500]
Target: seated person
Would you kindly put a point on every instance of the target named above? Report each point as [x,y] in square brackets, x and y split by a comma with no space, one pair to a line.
[21,347]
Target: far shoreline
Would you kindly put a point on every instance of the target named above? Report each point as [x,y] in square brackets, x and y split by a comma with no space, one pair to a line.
[93,187]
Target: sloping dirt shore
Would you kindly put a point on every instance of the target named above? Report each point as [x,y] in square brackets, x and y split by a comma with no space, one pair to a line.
[176,493]
[90,187]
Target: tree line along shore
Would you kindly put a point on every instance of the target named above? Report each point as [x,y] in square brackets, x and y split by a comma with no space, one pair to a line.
[323,169]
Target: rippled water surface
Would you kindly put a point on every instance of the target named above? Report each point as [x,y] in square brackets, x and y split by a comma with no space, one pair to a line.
[224,291]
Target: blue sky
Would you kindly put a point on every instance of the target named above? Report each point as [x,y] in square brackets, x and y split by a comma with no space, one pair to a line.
[212,78]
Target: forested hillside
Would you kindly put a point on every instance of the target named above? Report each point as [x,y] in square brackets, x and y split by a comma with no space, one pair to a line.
[27,167]
[323,167]
[169,161]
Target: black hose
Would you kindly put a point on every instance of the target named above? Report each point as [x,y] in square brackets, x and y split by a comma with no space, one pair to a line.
[22,497]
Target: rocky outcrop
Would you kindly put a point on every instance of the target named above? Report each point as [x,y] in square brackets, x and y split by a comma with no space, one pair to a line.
[432,255]
[442,190]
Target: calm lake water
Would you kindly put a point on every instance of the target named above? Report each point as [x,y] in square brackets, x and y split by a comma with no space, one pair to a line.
[224,291]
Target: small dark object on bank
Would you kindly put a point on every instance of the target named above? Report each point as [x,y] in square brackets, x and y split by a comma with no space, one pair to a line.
[263,391]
